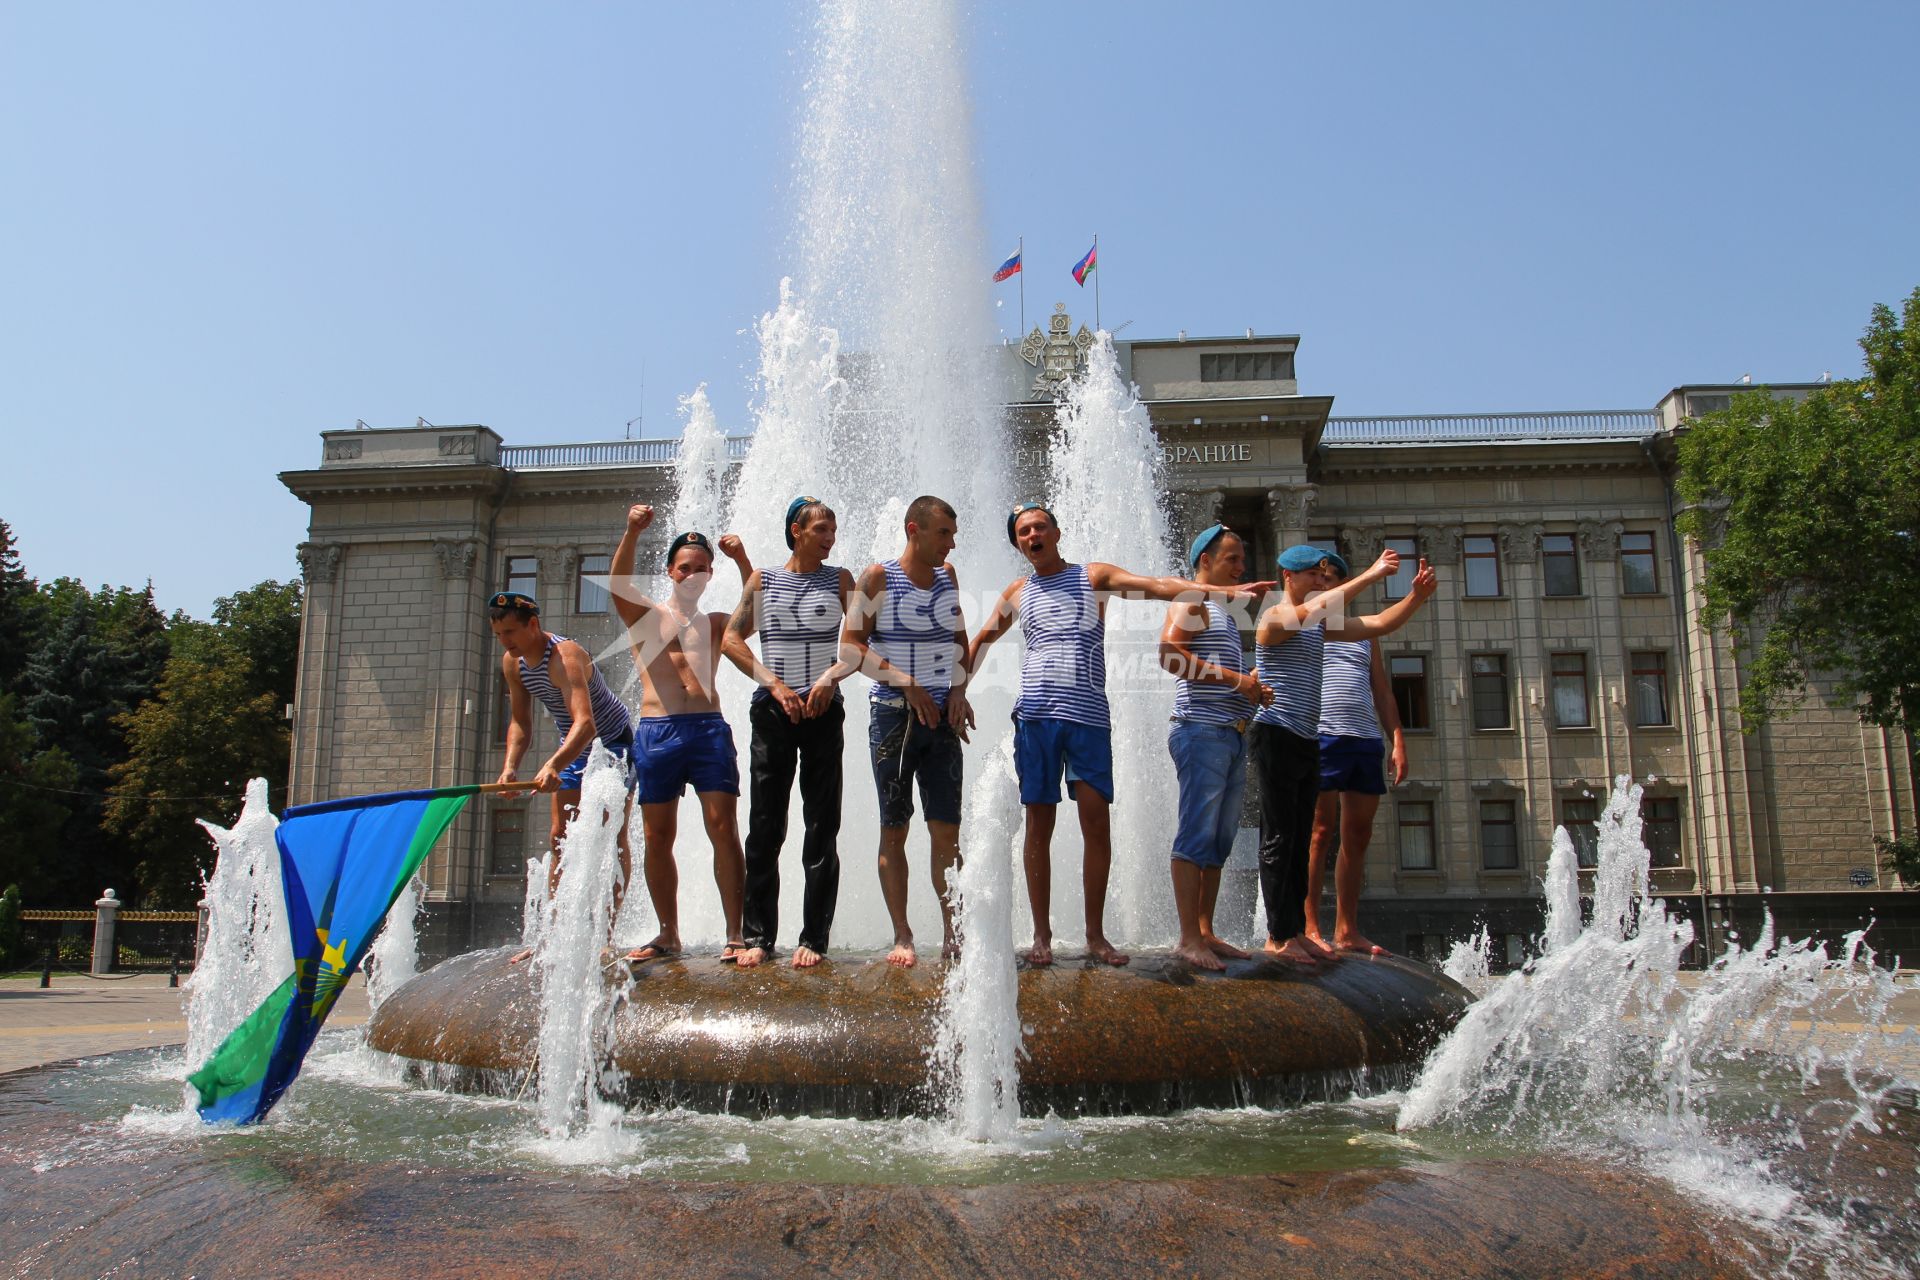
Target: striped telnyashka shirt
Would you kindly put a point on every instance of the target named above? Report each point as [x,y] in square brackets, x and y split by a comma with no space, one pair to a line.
[799,619]
[1205,703]
[915,632]
[1292,670]
[610,720]
[1346,690]
[1063,673]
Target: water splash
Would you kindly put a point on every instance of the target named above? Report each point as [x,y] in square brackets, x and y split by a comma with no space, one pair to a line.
[576,1003]
[395,956]
[975,1052]
[1470,960]
[1730,1087]
[248,950]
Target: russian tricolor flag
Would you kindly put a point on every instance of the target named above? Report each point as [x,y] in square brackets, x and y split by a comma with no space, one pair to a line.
[1084,268]
[1008,269]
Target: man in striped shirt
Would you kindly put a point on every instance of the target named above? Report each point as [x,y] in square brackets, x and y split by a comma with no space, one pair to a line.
[1357,720]
[797,717]
[1216,700]
[1285,746]
[1061,719]
[681,738]
[543,666]
[906,630]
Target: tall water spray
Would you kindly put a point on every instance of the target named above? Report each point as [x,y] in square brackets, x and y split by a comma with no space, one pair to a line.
[248,951]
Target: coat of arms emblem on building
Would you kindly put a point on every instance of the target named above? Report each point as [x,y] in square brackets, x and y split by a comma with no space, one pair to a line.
[1059,353]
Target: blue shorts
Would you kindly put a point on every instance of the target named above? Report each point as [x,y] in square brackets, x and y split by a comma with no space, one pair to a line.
[1210,761]
[677,750]
[1352,764]
[1042,748]
[904,749]
[621,747]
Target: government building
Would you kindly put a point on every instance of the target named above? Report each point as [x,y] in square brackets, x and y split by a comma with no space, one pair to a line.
[1562,650]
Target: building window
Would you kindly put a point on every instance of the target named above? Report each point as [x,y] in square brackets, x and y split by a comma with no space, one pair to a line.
[1581,819]
[1650,689]
[522,575]
[1490,703]
[508,853]
[590,591]
[1638,577]
[1402,580]
[1660,829]
[1483,565]
[1571,709]
[1561,567]
[1408,672]
[1416,835]
[1499,836]
[1247,366]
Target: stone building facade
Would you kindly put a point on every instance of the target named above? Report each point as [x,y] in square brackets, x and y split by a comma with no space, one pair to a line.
[1561,651]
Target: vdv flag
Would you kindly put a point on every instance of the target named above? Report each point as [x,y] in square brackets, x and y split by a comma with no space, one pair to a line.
[1084,268]
[1008,269]
[342,864]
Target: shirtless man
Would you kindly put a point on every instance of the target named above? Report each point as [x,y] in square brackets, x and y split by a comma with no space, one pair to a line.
[906,631]
[544,666]
[1200,643]
[799,610]
[1285,745]
[681,737]
[1061,719]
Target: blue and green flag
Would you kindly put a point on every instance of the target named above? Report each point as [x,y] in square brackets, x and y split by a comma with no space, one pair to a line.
[342,864]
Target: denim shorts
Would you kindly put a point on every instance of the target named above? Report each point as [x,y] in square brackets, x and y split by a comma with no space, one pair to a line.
[621,747]
[904,749]
[1352,764]
[1210,761]
[1044,747]
[678,750]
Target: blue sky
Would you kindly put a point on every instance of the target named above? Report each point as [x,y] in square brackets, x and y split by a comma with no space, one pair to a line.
[230,227]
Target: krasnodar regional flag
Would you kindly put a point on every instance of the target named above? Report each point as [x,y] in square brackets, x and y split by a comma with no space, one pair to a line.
[1084,268]
[1008,269]
[342,864]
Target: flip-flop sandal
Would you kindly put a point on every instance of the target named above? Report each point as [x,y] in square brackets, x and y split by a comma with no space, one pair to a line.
[654,950]
[730,953]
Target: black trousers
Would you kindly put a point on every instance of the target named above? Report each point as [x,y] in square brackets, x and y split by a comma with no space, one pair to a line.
[779,746]
[1288,767]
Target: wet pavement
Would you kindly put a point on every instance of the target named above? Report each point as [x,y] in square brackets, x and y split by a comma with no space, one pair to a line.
[79,1016]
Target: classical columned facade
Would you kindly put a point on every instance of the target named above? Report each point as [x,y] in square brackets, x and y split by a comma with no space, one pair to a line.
[1561,651]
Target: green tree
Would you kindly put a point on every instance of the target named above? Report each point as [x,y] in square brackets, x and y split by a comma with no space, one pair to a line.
[215,722]
[1809,514]
[13,948]
[35,808]
[19,613]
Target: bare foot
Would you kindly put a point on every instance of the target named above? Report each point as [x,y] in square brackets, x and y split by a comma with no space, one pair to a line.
[1316,948]
[1222,948]
[949,948]
[1100,949]
[731,953]
[661,948]
[1313,936]
[1359,944]
[1294,954]
[1040,955]
[520,957]
[902,956]
[1200,956]
[750,957]
[805,957]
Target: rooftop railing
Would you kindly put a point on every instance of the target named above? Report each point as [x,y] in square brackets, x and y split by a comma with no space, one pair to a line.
[606,453]
[1458,428]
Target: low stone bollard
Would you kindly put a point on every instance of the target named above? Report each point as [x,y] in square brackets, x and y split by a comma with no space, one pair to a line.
[106,917]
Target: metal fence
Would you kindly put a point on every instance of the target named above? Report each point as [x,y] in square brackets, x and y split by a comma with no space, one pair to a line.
[110,942]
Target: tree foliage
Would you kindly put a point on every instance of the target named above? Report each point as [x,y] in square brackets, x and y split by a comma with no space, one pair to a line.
[1809,516]
[35,806]
[214,723]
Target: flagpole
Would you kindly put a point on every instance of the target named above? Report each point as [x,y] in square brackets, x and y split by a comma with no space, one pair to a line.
[1023,288]
[1096,282]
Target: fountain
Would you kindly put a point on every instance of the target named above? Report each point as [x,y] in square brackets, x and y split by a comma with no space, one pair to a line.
[1587,1115]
